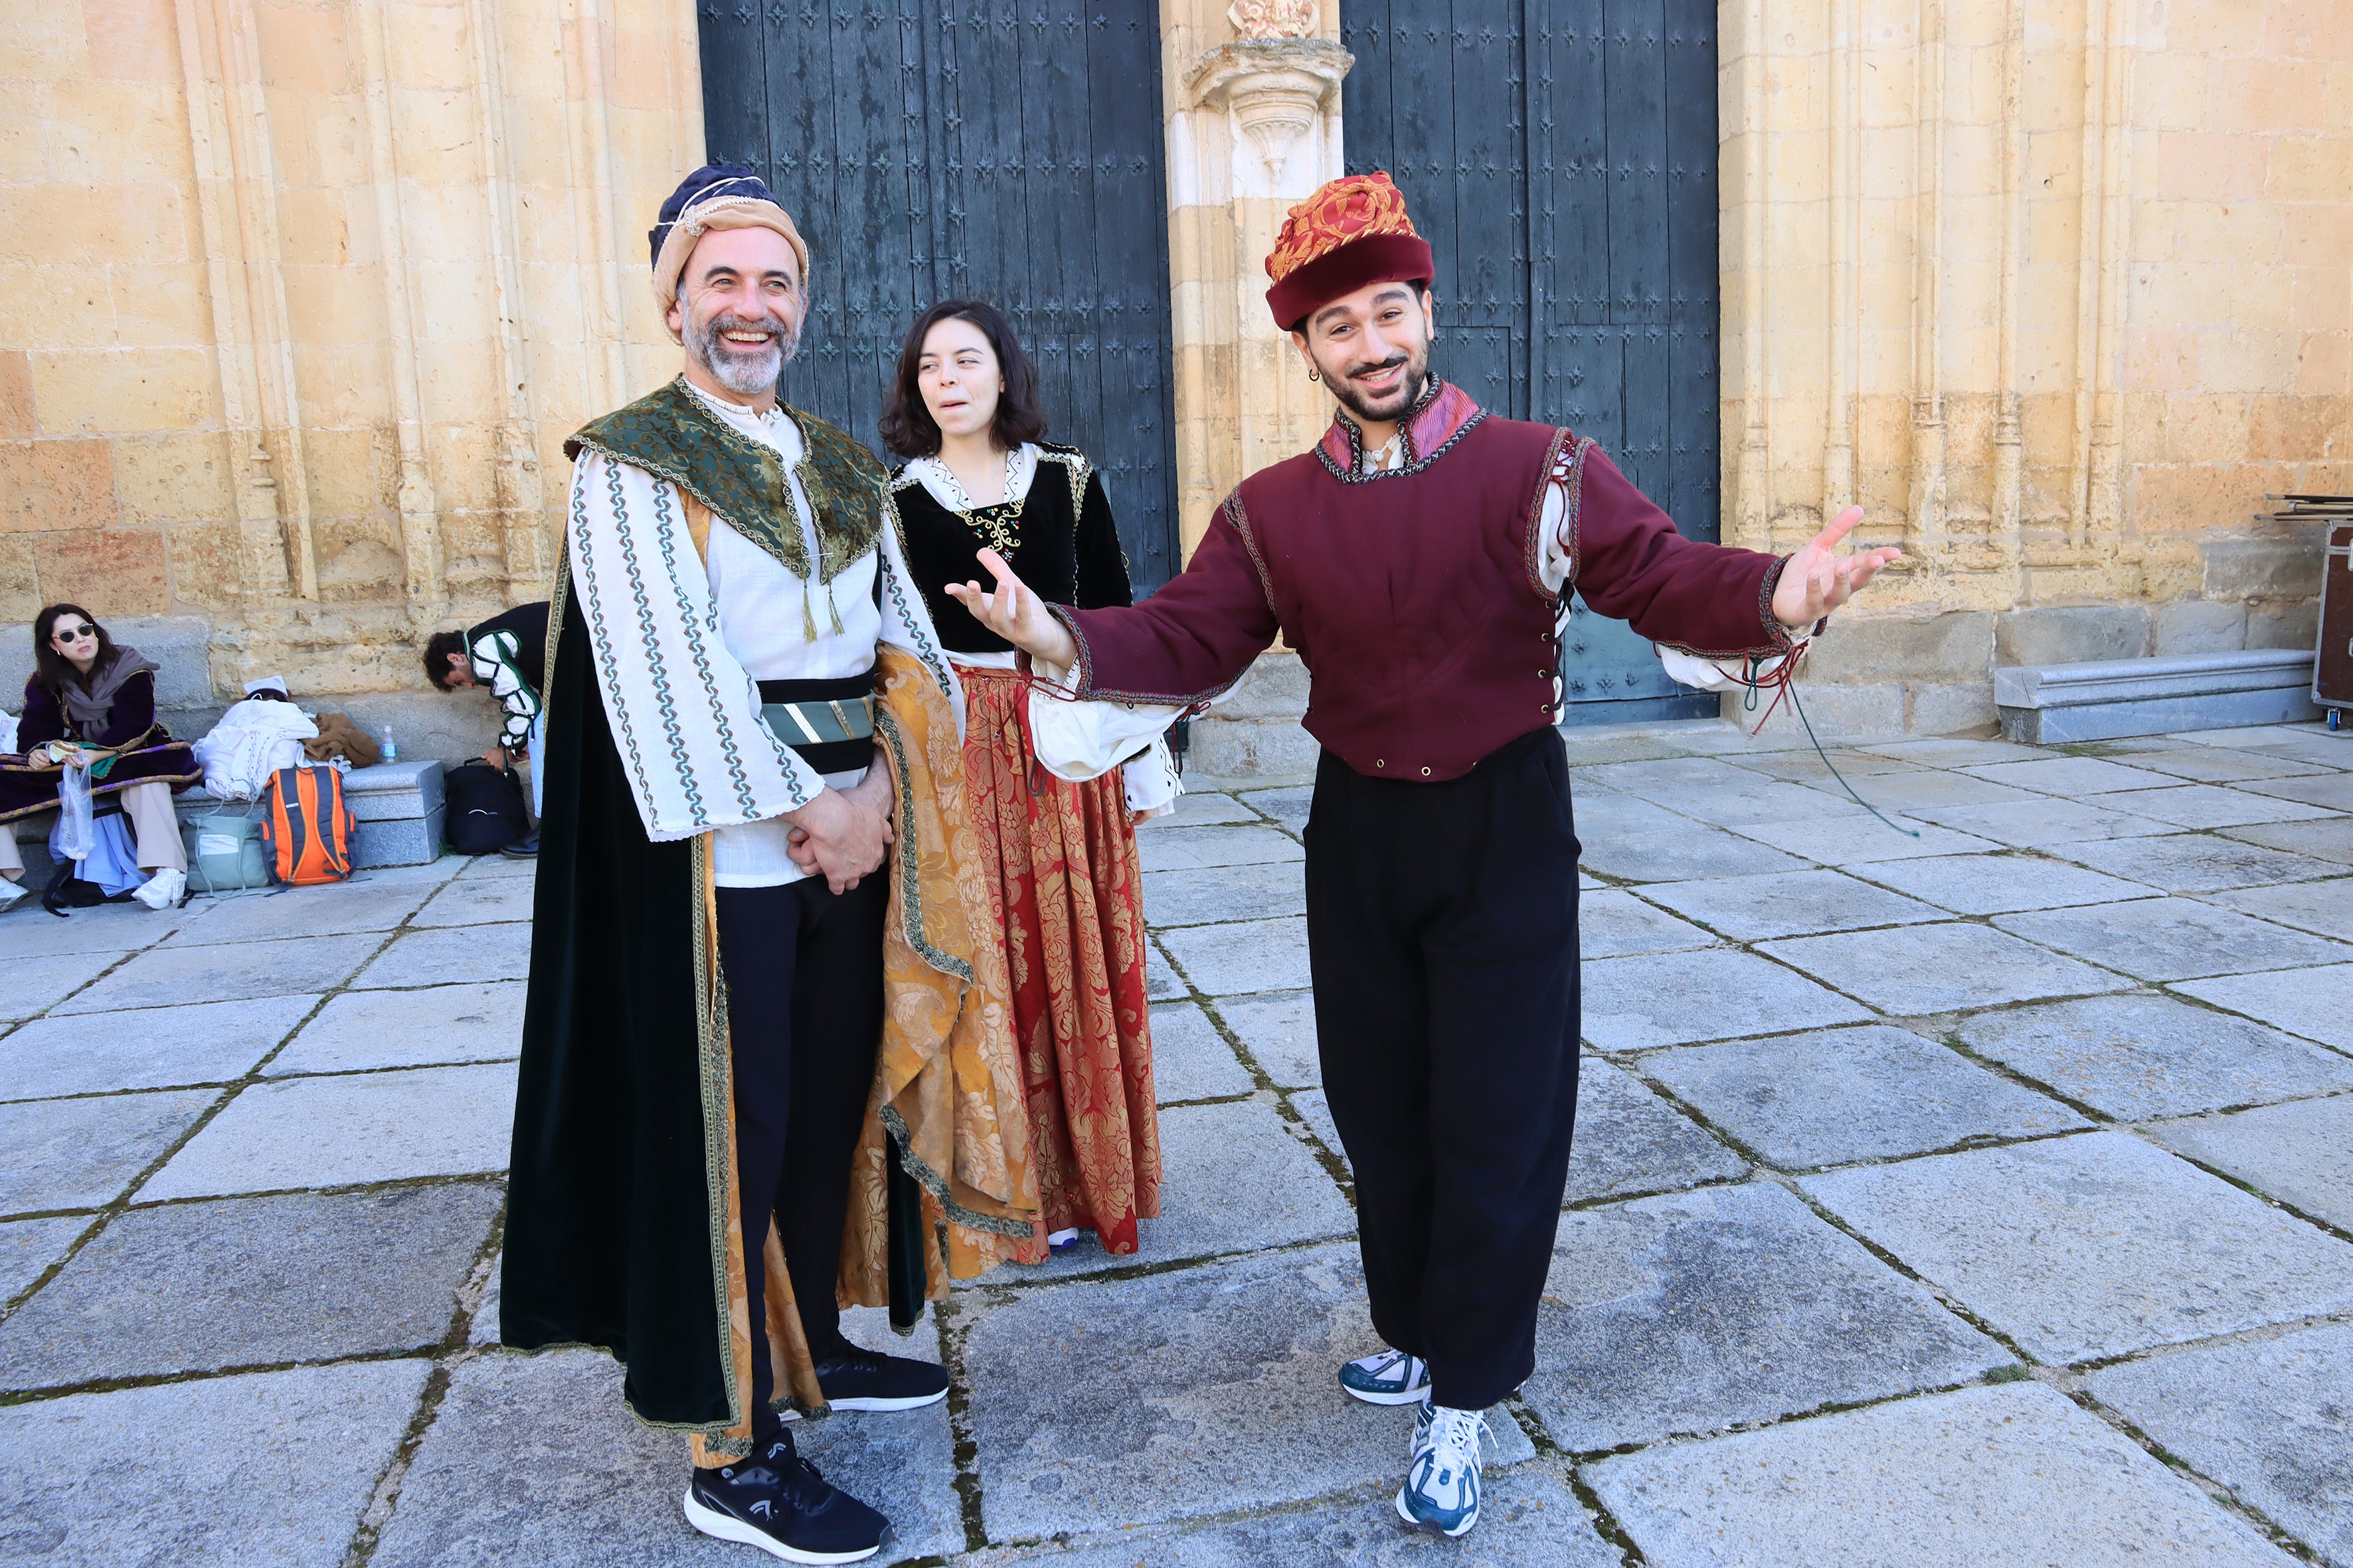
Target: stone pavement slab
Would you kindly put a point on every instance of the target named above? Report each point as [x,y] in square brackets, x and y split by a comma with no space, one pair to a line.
[2143,1056]
[2094,1246]
[2315,1003]
[1601,814]
[2219,764]
[1680,854]
[1270,891]
[451,956]
[1613,923]
[1195,1392]
[1234,1178]
[331,910]
[1761,800]
[1527,1517]
[2211,806]
[364,1029]
[1953,751]
[1939,968]
[2069,776]
[1160,981]
[96,1053]
[2332,791]
[1254,955]
[2013,1475]
[478,900]
[1672,999]
[348,1130]
[2330,838]
[2300,1154]
[1791,903]
[1190,848]
[2324,909]
[1287,806]
[251,1282]
[1696,1311]
[29,1245]
[1316,1112]
[2196,862]
[1997,884]
[1922,791]
[80,1153]
[581,1484]
[1630,1141]
[1198,808]
[1837,1095]
[29,986]
[2034,823]
[1848,840]
[28,931]
[2267,1420]
[171,976]
[2172,939]
[270,1469]
[1668,779]
[489,866]
[1279,1032]
[1803,764]
[1190,1060]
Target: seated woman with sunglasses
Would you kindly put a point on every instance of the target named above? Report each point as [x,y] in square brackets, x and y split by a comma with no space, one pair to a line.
[88,691]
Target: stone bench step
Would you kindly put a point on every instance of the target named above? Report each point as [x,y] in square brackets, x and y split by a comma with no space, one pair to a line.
[2052,704]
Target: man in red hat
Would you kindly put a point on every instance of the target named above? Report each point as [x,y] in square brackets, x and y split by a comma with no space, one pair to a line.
[1419,559]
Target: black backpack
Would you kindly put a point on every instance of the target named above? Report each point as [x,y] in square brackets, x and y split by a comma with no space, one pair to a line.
[485,808]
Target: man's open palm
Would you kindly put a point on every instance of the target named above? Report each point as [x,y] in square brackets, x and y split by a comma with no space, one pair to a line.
[1818,581]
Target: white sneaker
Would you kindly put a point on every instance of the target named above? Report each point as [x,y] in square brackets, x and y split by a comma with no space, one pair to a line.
[1442,1486]
[1387,1377]
[162,890]
[10,891]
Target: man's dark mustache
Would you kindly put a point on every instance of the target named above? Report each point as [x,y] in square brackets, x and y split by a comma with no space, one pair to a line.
[1363,372]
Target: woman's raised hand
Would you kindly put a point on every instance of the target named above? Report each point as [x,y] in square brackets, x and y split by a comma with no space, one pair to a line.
[1016,613]
[1816,580]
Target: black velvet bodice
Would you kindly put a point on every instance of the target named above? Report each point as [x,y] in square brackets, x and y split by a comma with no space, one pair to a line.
[1066,547]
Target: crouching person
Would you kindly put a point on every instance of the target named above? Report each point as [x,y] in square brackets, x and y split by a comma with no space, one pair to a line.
[744,851]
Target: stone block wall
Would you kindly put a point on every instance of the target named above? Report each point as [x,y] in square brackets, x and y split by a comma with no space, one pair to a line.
[299,299]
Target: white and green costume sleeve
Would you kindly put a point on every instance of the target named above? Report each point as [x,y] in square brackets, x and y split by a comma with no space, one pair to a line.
[493,658]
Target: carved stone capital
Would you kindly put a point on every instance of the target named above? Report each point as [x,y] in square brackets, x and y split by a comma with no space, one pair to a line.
[1273,87]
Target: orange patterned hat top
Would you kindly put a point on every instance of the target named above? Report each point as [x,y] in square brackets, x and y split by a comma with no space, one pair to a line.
[1353,231]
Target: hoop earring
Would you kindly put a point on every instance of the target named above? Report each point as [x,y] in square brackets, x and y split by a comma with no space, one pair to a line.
[1314,374]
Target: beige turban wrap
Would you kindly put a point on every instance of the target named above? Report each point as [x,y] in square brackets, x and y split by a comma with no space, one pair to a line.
[718,212]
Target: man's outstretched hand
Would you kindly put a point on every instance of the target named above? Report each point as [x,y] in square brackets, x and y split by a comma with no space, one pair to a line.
[1015,612]
[1817,582]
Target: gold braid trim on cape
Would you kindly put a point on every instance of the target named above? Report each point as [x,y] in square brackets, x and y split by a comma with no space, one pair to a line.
[946,1089]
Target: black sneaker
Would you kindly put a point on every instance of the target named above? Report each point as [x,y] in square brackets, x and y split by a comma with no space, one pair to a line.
[524,848]
[867,1380]
[777,1502]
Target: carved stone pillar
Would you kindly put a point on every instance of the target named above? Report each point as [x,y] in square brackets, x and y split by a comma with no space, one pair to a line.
[1254,128]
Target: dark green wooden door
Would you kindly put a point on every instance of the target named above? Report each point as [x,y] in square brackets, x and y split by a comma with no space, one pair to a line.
[1008,150]
[1560,156]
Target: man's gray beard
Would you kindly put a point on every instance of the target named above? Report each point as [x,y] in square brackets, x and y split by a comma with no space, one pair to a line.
[738,372]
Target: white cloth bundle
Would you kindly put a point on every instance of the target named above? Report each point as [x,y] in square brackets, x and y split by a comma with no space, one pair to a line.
[253,740]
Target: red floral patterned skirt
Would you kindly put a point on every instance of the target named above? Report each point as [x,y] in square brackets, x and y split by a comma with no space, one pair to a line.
[1069,904]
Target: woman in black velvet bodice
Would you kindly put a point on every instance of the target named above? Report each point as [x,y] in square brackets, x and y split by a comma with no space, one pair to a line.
[1060,538]
[1059,857]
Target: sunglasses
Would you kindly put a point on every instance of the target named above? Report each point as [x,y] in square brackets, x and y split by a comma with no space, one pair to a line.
[74,634]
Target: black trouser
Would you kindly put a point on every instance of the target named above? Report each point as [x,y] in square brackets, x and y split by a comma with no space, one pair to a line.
[1441,934]
[804,970]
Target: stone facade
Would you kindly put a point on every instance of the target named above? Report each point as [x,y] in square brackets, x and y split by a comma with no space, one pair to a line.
[298,298]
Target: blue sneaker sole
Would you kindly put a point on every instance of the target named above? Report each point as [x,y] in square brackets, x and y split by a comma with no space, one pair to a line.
[1462,1528]
[1375,1396]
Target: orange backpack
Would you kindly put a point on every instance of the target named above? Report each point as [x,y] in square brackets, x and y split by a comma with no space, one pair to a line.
[306,829]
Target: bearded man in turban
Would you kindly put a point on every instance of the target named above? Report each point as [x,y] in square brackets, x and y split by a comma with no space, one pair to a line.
[747,713]
[1419,559]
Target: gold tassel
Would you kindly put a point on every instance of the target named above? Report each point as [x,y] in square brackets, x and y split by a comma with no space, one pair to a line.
[809,614]
[833,609]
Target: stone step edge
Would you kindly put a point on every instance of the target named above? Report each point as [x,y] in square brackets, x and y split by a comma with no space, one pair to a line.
[2141,680]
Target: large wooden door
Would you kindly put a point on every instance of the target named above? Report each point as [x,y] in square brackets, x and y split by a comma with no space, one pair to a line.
[1008,150]
[1560,156]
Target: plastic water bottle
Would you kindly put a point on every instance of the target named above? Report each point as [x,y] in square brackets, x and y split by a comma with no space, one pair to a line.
[391,746]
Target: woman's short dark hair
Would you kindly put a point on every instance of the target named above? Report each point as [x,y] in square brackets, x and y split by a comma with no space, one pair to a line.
[907,427]
[438,649]
[51,669]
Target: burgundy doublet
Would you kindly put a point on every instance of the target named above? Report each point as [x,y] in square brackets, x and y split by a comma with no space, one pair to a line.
[1413,595]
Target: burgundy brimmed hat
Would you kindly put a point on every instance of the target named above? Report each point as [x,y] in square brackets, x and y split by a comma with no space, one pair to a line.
[1353,231]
